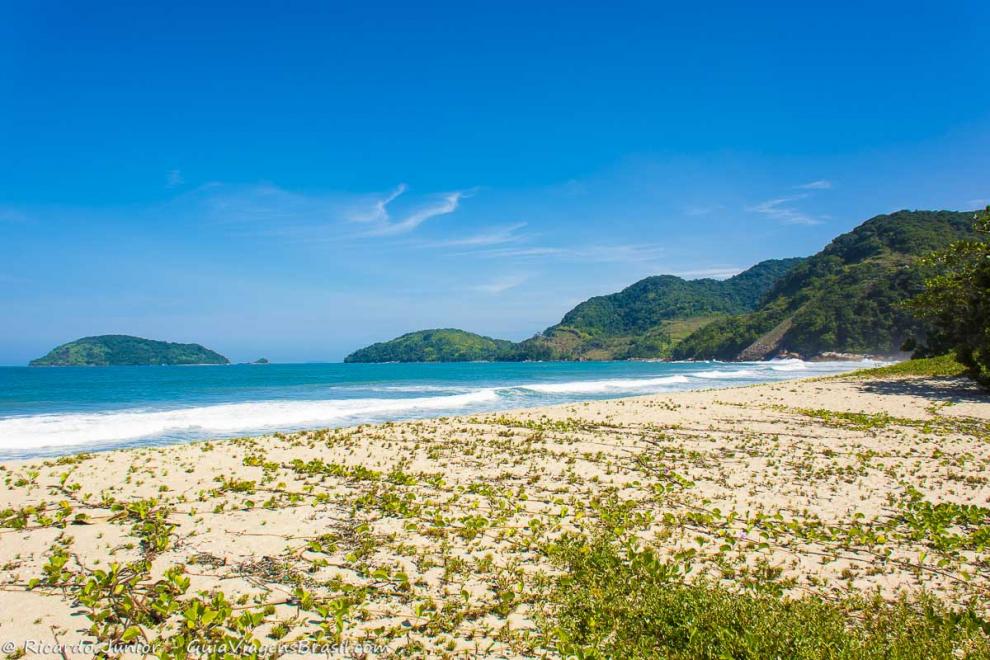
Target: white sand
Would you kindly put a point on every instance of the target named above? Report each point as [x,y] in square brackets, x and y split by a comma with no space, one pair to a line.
[460,504]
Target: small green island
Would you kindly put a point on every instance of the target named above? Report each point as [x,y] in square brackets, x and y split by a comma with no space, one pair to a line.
[125,350]
[437,345]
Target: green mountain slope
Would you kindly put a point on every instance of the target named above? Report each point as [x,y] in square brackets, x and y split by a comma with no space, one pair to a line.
[648,318]
[124,350]
[643,320]
[441,345]
[846,298]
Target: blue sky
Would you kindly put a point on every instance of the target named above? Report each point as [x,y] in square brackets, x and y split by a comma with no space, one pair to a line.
[298,182]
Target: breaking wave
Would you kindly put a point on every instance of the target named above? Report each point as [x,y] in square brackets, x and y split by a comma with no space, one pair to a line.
[355,402]
[223,419]
[602,386]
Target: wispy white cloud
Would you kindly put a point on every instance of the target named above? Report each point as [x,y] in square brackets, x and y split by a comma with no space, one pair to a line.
[622,253]
[501,284]
[715,272]
[820,184]
[782,210]
[261,205]
[174,179]
[442,205]
[510,252]
[699,210]
[488,237]
[377,210]
[265,209]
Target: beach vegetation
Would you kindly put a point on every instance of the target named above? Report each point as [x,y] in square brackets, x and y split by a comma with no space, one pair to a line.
[956,300]
[614,599]
[537,534]
[938,366]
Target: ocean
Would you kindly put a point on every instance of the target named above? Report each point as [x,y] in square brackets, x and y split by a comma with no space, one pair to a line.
[53,411]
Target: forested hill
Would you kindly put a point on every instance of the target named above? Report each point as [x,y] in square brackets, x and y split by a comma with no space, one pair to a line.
[647,318]
[124,350]
[643,320]
[846,298]
[440,345]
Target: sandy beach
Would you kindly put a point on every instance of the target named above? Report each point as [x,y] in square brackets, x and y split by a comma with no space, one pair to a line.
[430,537]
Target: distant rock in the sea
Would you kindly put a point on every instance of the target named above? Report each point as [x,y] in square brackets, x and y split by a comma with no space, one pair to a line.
[261,361]
[124,350]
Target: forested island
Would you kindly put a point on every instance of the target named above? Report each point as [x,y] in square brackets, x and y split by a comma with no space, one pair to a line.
[125,350]
[436,345]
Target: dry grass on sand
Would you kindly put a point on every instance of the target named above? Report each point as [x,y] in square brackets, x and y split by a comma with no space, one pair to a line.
[451,536]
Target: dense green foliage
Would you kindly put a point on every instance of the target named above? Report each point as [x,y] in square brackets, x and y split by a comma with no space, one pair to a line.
[442,345]
[847,298]
[643,305]
[942,365]
[645,319]
[956,300]
[641,321]
[615,600]
[124,350]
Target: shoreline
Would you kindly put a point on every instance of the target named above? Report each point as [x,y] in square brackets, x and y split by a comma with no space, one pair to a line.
[791,484]
[825,356]
[156,443]
[50,431]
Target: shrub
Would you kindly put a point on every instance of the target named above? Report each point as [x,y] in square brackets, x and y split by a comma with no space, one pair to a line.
[618,601]
[956,300]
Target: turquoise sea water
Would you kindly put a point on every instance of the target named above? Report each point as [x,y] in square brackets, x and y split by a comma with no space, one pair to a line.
[46,411]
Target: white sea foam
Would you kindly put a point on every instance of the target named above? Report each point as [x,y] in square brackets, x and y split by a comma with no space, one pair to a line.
[84,428]
[408,388]
[25,434]
[614,385]
[372,387]
[788,365]
[725,375]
